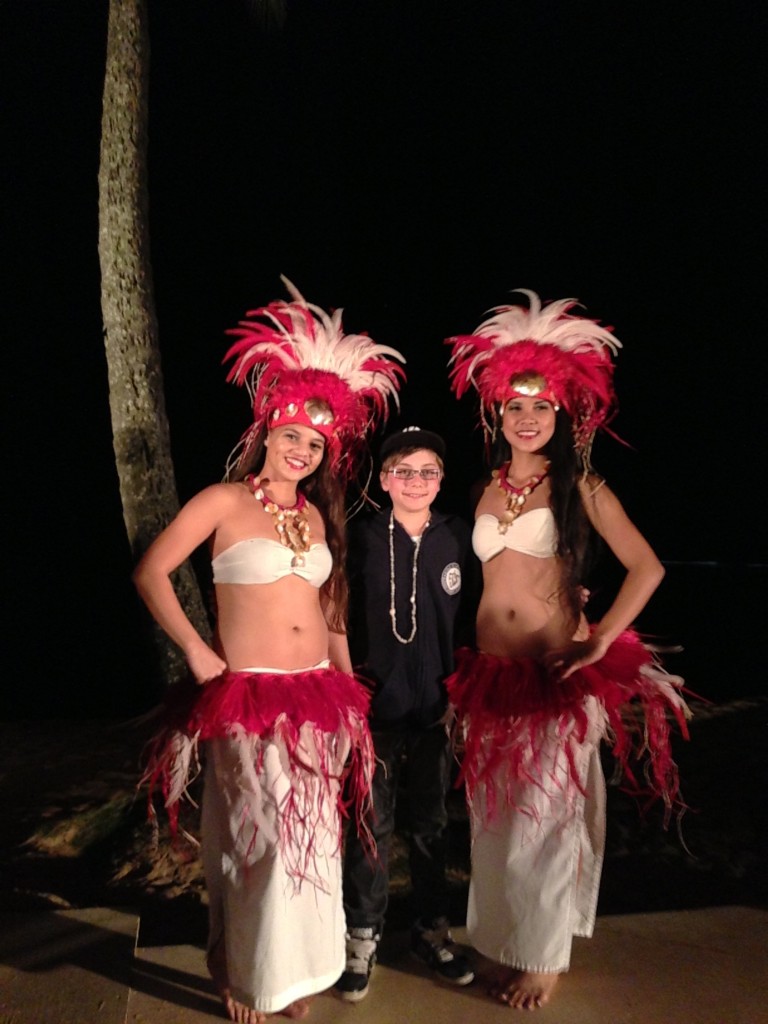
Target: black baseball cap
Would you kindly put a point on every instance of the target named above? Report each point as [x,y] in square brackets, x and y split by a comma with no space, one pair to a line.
[412,437]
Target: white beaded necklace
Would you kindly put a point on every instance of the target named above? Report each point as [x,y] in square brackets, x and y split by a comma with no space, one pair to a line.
[414,576]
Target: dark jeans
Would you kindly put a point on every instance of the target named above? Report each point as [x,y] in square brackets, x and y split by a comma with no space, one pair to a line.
[366,881]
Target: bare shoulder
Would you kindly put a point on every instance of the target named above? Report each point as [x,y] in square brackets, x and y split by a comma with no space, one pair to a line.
[595,492]
[599,500]
[591,485]
[199,519]
[238,493]
[214,503]
[608,517]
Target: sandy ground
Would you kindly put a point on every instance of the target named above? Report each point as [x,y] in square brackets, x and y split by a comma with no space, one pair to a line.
[75,832]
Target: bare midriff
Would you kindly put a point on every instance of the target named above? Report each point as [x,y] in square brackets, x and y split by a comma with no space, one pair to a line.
[271,625]
[523,611]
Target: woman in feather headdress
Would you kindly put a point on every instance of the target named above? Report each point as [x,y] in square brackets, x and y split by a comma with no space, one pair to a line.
[282,717]
[544,687]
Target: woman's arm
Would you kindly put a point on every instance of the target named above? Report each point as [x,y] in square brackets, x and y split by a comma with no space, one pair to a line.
[338,646]
[338,652]
[194,524]
[644,573]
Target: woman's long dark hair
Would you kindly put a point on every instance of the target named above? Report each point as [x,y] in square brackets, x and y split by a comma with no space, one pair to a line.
[575,539]
[325,491]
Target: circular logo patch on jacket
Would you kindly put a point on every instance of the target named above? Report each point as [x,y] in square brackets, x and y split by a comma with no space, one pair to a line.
[451,578]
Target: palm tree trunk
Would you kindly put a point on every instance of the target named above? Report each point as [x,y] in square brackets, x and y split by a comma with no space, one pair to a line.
[139,424]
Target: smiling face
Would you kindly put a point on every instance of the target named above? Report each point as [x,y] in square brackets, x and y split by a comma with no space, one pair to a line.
[418,493]
[293,452]
[528,423]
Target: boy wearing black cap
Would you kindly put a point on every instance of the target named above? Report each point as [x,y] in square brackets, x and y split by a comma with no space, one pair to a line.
[406,571]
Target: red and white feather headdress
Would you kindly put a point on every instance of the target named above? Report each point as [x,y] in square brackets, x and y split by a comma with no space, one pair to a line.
[539,350]
[300,367]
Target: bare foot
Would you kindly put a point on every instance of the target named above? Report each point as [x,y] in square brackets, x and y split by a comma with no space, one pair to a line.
[523,990]
[237,1012]
[298,1010]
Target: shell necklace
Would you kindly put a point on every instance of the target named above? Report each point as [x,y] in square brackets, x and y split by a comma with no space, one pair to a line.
[291,525]
[414,577]
[516,496]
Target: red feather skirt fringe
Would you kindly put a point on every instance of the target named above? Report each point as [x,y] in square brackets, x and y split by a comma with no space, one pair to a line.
[317,717]
[511,708]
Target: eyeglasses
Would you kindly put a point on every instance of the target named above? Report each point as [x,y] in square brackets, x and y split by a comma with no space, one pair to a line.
[406,473]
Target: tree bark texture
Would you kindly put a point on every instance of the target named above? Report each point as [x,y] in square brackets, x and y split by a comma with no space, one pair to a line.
[140,431]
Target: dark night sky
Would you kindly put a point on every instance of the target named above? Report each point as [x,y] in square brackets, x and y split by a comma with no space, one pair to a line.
[411,163]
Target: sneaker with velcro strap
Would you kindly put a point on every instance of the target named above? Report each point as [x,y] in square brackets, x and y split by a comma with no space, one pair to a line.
[362,943]
[434,946]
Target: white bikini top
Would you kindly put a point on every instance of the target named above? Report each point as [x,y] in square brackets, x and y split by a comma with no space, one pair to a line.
[533,533]
[261,560]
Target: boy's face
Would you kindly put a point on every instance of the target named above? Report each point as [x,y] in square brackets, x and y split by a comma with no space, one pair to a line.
[416,494]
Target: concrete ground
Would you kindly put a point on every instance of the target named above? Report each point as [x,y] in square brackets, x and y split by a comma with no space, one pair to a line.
[110,966]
